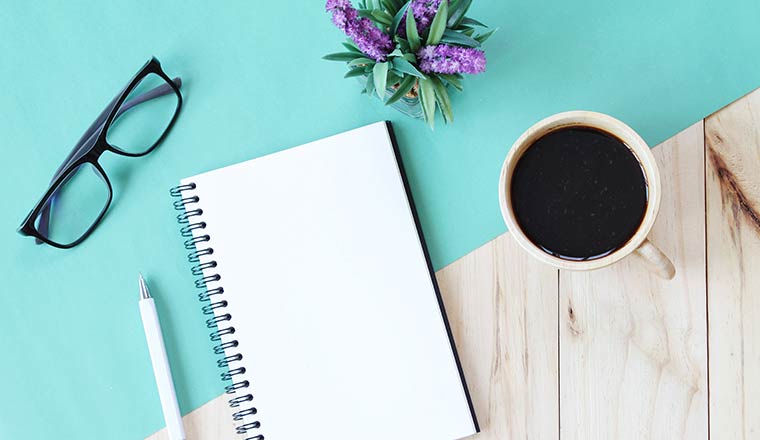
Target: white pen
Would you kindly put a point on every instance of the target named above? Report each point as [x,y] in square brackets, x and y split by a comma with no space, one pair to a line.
[160,362]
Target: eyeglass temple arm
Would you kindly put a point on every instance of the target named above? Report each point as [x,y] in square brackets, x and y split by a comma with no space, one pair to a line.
[89,136]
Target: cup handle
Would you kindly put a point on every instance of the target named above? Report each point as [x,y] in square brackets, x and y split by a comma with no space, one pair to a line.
[656,261]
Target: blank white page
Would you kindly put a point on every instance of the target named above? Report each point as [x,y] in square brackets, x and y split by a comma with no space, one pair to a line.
[331,295]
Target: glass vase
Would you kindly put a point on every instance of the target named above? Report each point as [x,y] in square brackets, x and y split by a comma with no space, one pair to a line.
[408,105]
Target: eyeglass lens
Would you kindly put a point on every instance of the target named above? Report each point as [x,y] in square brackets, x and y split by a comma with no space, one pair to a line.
[144,116]
[74,206]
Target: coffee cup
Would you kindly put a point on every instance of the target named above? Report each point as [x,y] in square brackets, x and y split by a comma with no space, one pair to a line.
[581,190]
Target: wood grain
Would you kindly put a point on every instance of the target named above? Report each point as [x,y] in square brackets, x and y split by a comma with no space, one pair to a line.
[633,355]
[502,304]
[212,421]
[733,270]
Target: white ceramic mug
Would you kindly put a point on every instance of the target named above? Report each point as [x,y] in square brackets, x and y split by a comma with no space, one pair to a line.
[638,243]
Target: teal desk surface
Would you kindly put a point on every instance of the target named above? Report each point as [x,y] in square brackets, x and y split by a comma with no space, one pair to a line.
[75,363]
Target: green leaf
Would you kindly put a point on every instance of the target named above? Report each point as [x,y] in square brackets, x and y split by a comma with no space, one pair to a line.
[411,31]
[427,99]
[397,18]
[342,56]
[382,17]
[438,26]
[466,21]
[390,6]
[460,39]
[365,13]
[442,97]
[403,44]
[357,71]
[380,73]
[483,37]
[370,86]
[404,88]
[360,61]
[457,13]
[402,65]
[412,58]
[393,78]
[452,80]
[468,31]
[352,47]
[395,53]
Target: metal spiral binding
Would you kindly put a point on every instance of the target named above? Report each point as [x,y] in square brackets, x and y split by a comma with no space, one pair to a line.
[210,294]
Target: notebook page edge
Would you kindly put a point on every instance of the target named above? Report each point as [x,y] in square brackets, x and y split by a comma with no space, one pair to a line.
[431,272]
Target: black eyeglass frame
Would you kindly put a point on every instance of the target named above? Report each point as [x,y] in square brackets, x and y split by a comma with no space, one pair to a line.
[82,154]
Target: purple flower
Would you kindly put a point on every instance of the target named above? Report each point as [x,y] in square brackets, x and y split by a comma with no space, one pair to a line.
[342,12]
[370,40]
[424,12]
[443,58]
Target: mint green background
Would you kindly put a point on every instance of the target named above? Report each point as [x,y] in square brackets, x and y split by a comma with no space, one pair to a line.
[74,362]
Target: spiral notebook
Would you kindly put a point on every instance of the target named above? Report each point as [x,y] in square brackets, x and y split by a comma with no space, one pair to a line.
[317,283]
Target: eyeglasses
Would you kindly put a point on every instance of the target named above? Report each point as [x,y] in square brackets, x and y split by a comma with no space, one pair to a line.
[79,194]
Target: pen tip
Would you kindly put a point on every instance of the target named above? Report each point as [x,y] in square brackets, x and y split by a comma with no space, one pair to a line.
[144,294]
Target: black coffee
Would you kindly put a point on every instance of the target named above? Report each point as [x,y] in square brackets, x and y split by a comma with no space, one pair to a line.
[579,193]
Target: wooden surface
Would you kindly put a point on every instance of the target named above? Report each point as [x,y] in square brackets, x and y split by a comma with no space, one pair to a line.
[633,360]
[733,268]
[618,353]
